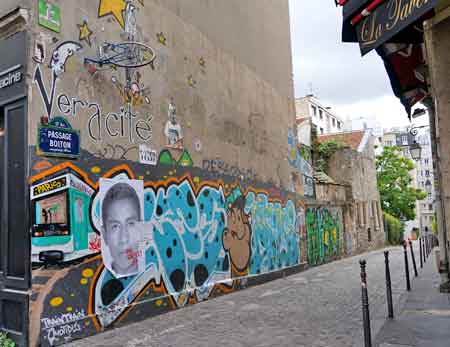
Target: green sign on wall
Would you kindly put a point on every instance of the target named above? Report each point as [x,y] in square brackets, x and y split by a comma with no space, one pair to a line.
[49,16]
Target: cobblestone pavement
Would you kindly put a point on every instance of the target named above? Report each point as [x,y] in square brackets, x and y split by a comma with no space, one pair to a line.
[315,308]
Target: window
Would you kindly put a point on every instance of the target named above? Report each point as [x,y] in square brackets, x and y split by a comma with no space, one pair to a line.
[321,130]
[405,152]
[427,173]
[430,195]
[389,143]
[333,121]
[369,235]
[320,114]
[430,207]
[314,110]
[422,184]
[339,125]
[405,140]
[426,161]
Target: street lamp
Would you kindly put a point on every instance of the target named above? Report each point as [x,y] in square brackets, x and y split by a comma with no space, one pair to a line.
[416,151]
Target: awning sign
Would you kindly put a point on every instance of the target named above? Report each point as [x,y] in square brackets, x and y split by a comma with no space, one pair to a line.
[388,19]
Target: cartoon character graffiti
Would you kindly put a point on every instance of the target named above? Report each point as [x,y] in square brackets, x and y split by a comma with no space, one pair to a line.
[134,92]
[172,129]
[60,57]
[237,235]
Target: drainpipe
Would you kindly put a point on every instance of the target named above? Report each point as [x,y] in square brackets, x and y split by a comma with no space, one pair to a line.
[440,216]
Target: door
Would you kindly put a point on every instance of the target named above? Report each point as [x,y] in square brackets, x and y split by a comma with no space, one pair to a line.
[79,219]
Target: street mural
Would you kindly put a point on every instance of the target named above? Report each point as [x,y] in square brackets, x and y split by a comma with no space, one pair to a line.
[133,239]
[182,240]
[324,234]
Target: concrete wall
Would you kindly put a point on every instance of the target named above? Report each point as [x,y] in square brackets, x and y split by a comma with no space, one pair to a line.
[205,183]
[245,29]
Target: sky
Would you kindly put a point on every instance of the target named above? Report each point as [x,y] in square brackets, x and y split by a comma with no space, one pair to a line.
[353,86]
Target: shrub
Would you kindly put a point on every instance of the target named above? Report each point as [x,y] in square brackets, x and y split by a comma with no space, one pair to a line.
[5,341]
[394,229]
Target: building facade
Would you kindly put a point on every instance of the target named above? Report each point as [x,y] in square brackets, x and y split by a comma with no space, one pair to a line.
[354,167]
[325,121]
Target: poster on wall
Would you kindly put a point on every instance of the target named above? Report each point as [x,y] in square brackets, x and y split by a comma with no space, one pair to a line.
[122,228]
[49,16]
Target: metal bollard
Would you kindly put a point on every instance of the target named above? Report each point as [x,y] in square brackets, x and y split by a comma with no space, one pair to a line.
[365,305]
[408,283]
[388,286]
[420,252]
[413,258]
[424,251]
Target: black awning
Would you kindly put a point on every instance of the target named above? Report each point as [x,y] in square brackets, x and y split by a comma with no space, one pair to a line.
[398,21]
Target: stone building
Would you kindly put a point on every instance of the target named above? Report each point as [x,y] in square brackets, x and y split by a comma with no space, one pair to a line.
[414,48]
[354,167]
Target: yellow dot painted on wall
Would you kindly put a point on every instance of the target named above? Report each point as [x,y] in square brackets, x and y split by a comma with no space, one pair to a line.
[56,301]
[141,177]
[96,170]
[69,309]
[83,281]
[88,273]
[158,302]
[196,179]
[87,323]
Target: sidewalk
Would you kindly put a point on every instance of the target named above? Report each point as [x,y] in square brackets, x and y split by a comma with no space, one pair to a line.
[424,319]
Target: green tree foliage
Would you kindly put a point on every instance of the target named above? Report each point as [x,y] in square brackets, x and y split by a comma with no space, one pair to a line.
[394,229]
[398,197]
[323,152]
[5,341]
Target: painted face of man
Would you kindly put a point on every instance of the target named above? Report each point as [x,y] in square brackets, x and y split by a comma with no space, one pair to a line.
[121,235]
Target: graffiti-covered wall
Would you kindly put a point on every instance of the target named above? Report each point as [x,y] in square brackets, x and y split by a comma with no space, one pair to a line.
[325,234]
[160,174]
[137,242]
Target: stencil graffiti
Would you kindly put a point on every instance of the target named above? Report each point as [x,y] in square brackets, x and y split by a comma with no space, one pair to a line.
[324,228]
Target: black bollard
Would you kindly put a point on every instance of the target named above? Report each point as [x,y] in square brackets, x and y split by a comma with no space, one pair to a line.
[408,283]
[388,286]
[424,251]
[365,305]
[413,258]
[420,252]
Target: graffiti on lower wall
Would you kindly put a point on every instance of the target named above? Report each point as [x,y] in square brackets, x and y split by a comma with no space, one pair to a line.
[201,238]
[324,234]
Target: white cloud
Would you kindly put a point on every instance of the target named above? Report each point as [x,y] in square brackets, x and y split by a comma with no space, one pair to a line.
[354,86]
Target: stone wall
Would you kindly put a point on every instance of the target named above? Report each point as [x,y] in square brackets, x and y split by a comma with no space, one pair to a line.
[357,170]
[437,37]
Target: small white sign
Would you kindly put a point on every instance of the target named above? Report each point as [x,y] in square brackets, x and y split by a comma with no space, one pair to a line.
[147,155]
